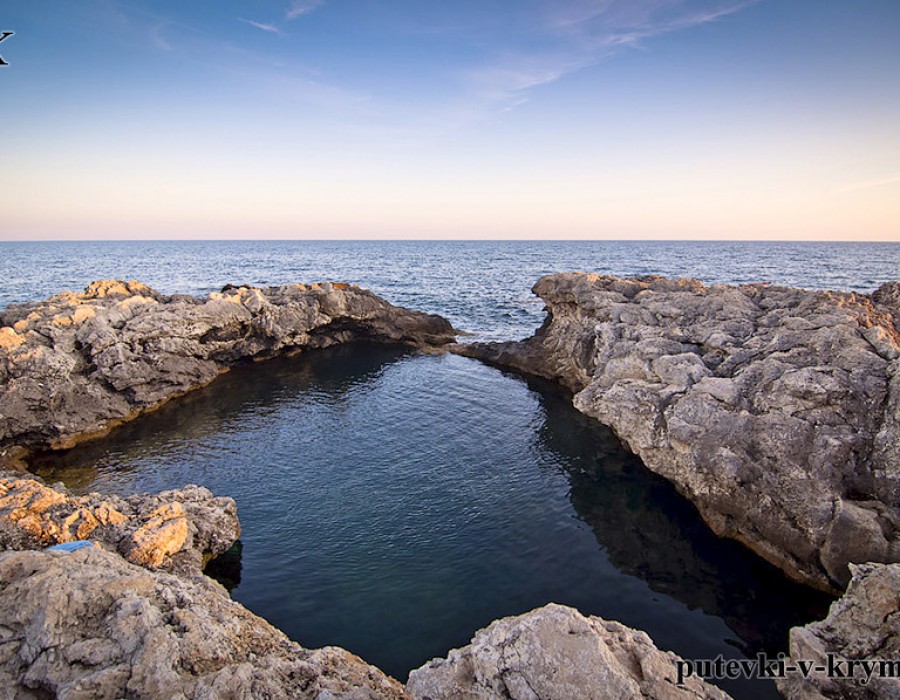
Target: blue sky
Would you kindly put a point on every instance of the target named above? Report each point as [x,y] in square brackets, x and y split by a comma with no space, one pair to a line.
[419,119]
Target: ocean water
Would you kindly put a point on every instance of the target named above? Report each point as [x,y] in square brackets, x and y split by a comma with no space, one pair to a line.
[483,287]
[393,502]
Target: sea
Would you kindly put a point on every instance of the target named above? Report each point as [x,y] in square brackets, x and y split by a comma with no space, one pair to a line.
[393,502]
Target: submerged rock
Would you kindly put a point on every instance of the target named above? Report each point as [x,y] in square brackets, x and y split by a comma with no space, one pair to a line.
[862,627]
[88,624]
[175,530]
[556,653]
[77,364]
[775,410]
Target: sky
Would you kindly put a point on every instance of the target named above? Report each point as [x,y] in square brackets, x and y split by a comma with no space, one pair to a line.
[518,119]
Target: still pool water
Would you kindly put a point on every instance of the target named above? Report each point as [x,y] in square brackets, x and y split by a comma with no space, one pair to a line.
[393,503]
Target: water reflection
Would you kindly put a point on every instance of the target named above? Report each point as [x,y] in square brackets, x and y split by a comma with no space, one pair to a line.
[182,429]
[650,531]
[393,503]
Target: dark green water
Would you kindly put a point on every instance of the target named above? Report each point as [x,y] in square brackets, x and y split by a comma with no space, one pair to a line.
[392,503]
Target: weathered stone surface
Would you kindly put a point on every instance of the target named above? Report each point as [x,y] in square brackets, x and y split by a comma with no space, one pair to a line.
[177,530]
[556,653]
[775,410]
[862,626]
[76,364]
[88,624]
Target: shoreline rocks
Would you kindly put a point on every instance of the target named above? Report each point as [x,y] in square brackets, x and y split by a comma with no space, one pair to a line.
[776,411]
[178,530]
[76,365]
[88,624]
[863,626]
[556,653]
[682,373]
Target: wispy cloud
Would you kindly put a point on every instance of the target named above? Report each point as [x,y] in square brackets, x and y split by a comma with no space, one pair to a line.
[298,8]
[156,37]
[582,33]
[883,182]
[261,25]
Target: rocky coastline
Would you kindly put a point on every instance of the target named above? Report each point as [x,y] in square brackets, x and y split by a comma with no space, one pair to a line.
[101,622]
[76,365]
[776,411]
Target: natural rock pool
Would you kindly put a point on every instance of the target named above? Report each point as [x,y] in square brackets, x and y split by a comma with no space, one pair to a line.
[392,503]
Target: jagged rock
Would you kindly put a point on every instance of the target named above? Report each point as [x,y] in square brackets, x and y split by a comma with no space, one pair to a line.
[77,364]
[88,624]
[177,530]
[775,410]
[863,626]
[556,653]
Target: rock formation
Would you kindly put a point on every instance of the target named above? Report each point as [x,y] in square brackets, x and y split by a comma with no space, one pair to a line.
[88,624]
[862,626]
[77,364]
[177,530]
[133,617]
[775,410]
[555,653]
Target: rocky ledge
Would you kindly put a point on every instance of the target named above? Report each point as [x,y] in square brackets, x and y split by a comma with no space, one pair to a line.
[88,624]
[775,410]
[75,365]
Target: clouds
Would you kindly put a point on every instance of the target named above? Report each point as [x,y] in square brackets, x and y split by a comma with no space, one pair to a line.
[564,37]
[295,10]
[298,8]
[871,184]
[271,28]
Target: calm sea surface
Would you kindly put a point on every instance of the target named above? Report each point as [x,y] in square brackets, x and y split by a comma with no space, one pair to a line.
[393,503]
[482,287]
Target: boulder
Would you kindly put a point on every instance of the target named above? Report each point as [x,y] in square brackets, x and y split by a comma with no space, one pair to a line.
[556,653]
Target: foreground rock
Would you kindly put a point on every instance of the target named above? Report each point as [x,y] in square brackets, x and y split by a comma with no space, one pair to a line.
[77,364]
[775,410]
[555,653]
[862,626]
[88,624]
[178,530]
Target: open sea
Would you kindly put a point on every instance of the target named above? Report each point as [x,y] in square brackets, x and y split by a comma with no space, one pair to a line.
[393,503]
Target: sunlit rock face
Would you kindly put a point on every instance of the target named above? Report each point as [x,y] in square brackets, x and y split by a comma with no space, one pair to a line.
[775,410]
[177,530]
[77,364]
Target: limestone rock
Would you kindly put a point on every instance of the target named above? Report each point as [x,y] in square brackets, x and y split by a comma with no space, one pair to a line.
[862,626]
[177,530]
[88,624]
[77,364]
[775,410]
[555,653]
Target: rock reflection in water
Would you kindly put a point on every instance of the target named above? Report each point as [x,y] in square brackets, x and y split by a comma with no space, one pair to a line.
[182,429]
[393,503]
[650,531]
